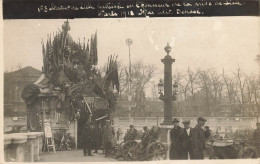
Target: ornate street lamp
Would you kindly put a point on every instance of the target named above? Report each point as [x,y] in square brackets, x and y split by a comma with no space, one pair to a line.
[174,90]
[160,86]
[170,90]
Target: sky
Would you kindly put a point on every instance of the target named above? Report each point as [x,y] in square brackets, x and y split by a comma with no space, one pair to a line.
[197,42]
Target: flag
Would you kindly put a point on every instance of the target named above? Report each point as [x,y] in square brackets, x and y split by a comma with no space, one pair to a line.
[84,49]
[95,55]
[116,76]
[127,75]
[44,58]
[87,49]
[43,51]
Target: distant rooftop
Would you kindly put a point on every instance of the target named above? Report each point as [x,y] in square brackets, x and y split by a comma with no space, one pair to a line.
[26,71]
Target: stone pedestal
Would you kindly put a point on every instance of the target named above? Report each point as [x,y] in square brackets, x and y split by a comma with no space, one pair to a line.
[29,147]
[165,137]
[15,150]
[37,145]
[7,143]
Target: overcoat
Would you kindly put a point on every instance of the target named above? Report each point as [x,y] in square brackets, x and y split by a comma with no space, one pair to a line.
[97,138]
[107,135]
[198,142]
[186,144]
[88,137]
[175,149]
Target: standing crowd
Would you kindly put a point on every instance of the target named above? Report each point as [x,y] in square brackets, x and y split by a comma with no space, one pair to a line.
[187,142]
[94,138]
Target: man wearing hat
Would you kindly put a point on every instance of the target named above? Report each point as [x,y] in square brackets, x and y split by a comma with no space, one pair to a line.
[131,134]
[185,140]
[256,138]
[175,152]
[144,136]
[145,132]
[198,139]
[107,137]
[87,137]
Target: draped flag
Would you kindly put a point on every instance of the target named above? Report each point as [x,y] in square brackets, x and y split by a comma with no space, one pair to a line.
[95,55]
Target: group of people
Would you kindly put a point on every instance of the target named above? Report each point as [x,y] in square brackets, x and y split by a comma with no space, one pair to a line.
[92,135]
[187,142]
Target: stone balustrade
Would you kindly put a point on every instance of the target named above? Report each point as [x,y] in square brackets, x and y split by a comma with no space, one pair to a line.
[215,123]
[23,147]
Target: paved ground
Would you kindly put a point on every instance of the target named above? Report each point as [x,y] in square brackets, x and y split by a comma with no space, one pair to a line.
[77,156]
[74,156]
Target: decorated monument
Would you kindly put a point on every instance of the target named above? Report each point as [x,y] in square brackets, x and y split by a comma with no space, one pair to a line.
[71,90]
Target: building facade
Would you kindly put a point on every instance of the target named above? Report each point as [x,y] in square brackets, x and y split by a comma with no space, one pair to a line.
[14,106]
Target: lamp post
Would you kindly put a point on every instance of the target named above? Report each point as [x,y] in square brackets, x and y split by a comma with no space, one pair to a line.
[129,42]
[170,91]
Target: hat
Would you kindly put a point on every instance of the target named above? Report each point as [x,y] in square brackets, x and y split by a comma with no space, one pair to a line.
[257,123]
[145,127]
[202,119]
[186,122]
[175,120]
[131,126]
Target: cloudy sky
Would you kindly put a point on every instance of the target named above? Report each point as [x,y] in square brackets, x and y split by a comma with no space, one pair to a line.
[209,42]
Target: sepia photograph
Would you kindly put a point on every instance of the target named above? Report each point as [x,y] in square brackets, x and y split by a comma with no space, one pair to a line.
[131,89]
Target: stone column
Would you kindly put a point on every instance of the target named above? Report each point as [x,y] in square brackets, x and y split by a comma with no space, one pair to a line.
[167,98]
[167,89]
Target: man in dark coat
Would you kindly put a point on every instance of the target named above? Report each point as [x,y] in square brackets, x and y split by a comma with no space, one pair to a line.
[96,139]
[207,133]
[198,139]
[144,137]
[87,139]
[107,137]
[185,140]
[131,134]
[175,152]
[256,138]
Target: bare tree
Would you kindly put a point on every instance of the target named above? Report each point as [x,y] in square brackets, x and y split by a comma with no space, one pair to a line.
[141,77]
[240,86]
[217,86]
[205,85]
[154,90]
[229,84]
[122,79]
[252,89]
[192,76]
